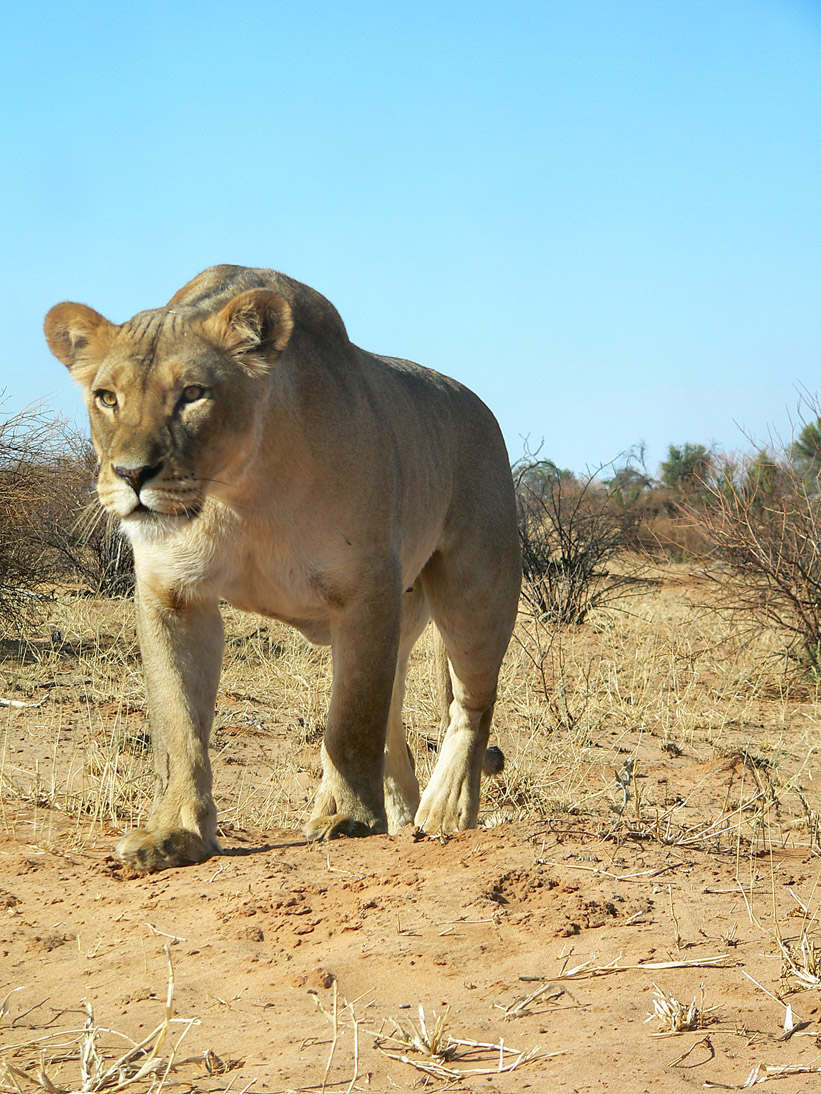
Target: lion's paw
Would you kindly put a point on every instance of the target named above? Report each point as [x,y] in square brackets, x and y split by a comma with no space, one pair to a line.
[333,825]
[148,852]
[447,806]
[434,821]
[399,811]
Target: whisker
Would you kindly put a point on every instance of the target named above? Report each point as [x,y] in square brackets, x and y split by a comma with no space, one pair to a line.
[88,520]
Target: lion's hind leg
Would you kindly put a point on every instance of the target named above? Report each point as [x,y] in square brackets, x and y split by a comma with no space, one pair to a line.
[494,760]
[474,608]
[450,802]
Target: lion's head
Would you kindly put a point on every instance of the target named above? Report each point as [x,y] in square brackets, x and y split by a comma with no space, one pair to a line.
[175,398]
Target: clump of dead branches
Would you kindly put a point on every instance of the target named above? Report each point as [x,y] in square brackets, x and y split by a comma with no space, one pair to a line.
[572,532]
[51,528]
[761,516]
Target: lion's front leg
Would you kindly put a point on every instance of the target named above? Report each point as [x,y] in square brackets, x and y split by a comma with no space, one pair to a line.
[351,800]
[182,652]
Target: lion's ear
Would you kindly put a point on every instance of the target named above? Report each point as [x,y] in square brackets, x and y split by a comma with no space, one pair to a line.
[79,337]
[257,324]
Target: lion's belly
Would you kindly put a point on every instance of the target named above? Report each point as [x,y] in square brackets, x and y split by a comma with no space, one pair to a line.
[316,627]
[283,591]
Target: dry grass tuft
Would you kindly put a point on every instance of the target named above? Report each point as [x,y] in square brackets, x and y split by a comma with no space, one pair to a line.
[430,1041]
[146,1066]
[447,1057]
[425,1045]
[802,961]
[676,1017]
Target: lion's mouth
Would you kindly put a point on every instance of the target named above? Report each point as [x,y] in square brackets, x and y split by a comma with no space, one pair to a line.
[141,511]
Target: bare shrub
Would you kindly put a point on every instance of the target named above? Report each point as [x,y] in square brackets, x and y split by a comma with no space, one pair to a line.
[762,515]
[24,438]
[80,540]
[51,528]
[572,530]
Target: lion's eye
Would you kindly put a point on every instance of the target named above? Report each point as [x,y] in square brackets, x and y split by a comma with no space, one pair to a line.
[192,393]
[107,399]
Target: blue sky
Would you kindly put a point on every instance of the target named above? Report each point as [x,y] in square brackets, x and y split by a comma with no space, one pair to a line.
[602,215]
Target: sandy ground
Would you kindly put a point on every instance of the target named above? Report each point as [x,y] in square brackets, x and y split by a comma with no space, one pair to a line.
[266,941]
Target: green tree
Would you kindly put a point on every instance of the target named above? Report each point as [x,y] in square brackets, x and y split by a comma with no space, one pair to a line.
[764,478]
[629,483]
[806,450]
[687,468]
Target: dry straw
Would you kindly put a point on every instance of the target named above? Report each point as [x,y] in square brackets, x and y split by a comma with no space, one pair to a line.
[676,1017]
[427,1046]
[146,1066]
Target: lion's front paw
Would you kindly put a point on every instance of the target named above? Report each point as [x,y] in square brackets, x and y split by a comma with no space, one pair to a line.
[333,825]
[148,852]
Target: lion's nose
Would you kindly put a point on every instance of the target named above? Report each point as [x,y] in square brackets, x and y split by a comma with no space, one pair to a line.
[137,477]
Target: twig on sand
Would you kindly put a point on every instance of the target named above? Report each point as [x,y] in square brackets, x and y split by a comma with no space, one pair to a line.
[587,969]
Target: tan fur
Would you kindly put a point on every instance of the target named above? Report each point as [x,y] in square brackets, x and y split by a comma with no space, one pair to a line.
[253,453]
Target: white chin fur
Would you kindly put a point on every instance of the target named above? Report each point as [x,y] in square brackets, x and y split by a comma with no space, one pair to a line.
[151,527]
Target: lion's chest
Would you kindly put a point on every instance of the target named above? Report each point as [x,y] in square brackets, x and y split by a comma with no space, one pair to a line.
[255,574]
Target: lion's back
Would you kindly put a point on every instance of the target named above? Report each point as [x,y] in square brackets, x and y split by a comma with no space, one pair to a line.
[318,326]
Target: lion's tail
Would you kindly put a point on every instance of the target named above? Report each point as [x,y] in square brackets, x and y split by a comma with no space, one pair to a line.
[494,761]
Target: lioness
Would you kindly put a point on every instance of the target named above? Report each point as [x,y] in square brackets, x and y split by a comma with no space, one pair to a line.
[253,453]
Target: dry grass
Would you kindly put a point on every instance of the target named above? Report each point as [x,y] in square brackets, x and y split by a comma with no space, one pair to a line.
[95,1056]
[429,1047]
[592,721]
[426,1045]
[676,1017]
